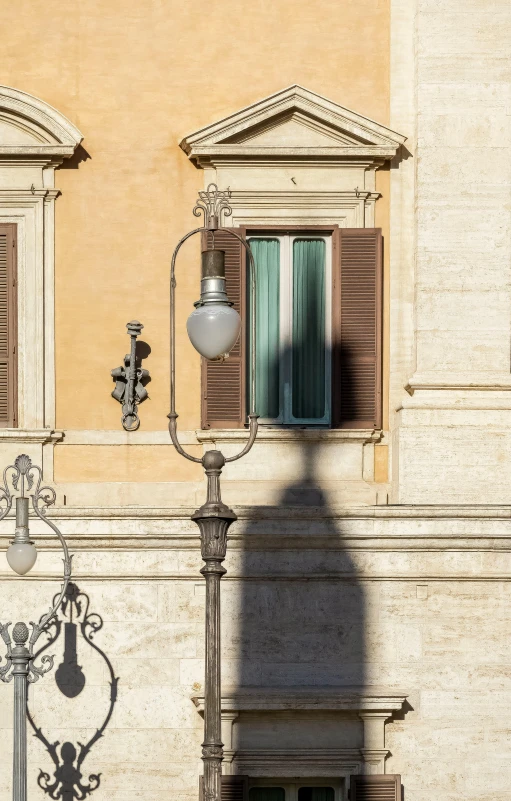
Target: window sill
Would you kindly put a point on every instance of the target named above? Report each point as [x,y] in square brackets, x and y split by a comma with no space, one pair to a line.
[28,435]
[291,435]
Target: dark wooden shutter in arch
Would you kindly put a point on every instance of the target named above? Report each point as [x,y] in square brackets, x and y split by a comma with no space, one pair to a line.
[234,788]
[383,787]
[8,315]
[224,383]
[357,328]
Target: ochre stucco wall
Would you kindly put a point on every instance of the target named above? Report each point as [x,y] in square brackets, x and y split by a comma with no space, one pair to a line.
[135,77]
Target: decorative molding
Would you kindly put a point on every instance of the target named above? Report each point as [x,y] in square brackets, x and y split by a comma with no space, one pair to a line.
[264,434]
[37,130]
[460,381]
[333,699]
[303,763]
[295,158]
[142,437]
[26,435]
[464,514]
[374,706]
[280,125]
[34,139]
[352,208]
[121,437]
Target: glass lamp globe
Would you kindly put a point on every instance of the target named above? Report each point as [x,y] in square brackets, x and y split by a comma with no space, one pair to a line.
[213,329]
[21,557]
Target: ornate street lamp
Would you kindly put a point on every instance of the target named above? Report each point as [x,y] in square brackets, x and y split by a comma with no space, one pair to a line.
[213,329]
[21,556]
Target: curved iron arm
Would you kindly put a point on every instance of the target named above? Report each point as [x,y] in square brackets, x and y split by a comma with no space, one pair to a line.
[173,414]
[48,500]
[25,473]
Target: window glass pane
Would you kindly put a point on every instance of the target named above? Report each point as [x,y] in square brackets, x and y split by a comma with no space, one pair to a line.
[266,254]
[267,794]
[316,794]
[308,328]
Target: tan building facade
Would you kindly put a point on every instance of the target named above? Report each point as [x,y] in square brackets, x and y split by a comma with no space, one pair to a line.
[365,616]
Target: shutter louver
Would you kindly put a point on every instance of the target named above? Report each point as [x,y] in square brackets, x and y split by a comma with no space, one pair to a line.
[234,788]
[383,787]
[223,383]
[357,329]
[7,327]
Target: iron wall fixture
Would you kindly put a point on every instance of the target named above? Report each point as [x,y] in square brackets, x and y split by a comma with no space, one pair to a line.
[130,381]
[21,556]
[218,326]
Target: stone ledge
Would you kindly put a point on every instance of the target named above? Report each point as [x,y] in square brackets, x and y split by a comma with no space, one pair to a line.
[342,699]
[30,435]
[458,512]
[267,434]
[457,381]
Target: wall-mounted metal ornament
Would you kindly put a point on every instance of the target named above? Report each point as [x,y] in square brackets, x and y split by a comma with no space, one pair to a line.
[130,380]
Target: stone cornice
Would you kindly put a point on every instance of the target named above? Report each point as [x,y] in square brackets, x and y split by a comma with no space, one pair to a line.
[335,699]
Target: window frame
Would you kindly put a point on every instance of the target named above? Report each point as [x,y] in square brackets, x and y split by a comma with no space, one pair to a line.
[11,229]
[286,240]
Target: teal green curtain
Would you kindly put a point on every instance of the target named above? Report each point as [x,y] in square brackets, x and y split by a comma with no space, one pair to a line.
[316,794]
[266,254]
[267,794]
[308,357]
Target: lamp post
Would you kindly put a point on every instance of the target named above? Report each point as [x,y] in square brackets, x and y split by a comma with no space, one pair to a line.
[21,556]
[213,329]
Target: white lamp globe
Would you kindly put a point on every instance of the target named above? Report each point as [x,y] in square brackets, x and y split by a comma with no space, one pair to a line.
[21,557]
[213,329]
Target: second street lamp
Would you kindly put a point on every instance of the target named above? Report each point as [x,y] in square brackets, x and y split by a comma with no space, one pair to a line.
[213,329]
[23,476]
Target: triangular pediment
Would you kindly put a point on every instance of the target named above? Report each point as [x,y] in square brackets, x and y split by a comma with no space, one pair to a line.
[294,121]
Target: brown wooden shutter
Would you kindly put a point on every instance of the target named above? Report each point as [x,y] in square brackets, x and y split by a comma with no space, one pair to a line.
[234,788]
[8,315]
[224,383]
[357,328]
[384,787]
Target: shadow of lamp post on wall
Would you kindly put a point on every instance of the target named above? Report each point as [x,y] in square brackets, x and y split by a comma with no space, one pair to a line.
[67,780]
[22,555]
[213,329]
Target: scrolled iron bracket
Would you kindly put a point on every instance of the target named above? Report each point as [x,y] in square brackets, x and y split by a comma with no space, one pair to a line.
[213,203]
[25,476]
